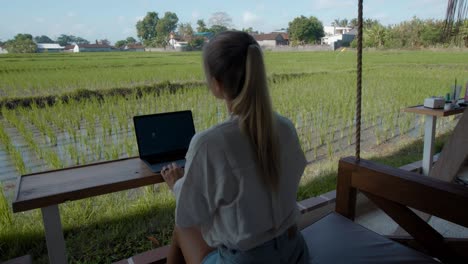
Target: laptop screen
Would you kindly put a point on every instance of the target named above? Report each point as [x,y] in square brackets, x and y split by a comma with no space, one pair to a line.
[164,135]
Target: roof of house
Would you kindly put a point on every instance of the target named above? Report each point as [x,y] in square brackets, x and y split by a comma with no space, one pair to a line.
[134,46]
[94,46]
[269,36]
[285,36]
[49,46]
[69,47]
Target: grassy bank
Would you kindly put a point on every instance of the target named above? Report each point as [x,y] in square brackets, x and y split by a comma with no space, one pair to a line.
[62,110]
[112,227]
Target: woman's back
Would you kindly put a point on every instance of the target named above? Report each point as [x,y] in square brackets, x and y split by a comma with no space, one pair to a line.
[222,192]
[238,191]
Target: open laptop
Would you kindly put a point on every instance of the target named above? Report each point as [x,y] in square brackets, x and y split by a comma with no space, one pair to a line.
[164,138]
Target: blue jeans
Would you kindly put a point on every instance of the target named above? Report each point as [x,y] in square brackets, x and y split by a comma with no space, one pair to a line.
[282,249]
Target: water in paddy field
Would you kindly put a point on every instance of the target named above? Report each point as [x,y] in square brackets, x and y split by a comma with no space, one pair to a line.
[104,150]
[341,143]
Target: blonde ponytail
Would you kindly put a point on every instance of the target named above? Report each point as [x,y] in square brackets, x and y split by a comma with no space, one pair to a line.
[253,105]
[235,59]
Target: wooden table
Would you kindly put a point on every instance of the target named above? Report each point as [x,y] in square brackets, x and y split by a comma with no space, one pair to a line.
[46,190]
[430,130]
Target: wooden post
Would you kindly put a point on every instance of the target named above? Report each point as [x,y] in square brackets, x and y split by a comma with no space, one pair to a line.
[345,193]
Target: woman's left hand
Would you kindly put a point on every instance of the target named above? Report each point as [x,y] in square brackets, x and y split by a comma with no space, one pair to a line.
[171,173]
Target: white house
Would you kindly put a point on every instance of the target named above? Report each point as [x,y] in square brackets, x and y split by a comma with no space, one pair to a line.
[49,47]
[180,45]
[332,30]
[3,50]
[338,36]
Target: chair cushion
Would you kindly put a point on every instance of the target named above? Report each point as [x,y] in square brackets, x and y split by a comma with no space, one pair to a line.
[336,239]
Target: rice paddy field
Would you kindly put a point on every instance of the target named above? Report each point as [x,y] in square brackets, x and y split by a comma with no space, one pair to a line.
[61,110]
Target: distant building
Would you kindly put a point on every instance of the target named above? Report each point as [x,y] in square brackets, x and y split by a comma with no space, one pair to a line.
[338,36]
[3,50]
[134,47]
[181,45]
[49,47]
[332,30]
[272,39]
[92,48]
[69,48]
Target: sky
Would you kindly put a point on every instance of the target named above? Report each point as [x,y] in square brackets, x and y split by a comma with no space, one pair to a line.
[115,20]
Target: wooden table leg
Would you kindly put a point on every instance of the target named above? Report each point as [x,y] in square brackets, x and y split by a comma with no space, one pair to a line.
[54,234]
[429,136]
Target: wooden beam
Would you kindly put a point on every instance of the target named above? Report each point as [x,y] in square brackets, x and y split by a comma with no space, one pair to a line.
[418,228]
[442,199]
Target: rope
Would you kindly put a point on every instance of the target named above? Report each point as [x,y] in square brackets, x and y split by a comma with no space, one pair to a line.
[359,84]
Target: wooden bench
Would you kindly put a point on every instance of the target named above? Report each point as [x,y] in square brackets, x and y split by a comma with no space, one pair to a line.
[337,239]
[46,190]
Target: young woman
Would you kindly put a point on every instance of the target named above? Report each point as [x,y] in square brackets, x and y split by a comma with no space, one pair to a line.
[236,199]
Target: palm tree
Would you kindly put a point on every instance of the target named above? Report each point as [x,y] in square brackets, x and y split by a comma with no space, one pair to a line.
[457,11]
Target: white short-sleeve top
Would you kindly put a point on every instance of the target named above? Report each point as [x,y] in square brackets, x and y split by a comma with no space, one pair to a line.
[222,194]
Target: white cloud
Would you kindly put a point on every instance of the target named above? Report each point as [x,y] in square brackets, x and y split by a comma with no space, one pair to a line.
[71,14]
[249,18]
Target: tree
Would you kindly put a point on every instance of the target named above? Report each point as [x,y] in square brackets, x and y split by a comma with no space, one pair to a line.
[196,43]
[375,36]
[432,32]
[146,28]
[220,19]
[340,22]
[201,26]
[80,40]
[22,43]
[43,39]
[165,25]
[353,23]
[104,42]
[186,31]
[250,30]
[120,43]
[130,40]
[64,40]
[305,30]
[124,42]
[456,21]
[369,23]
[217,29]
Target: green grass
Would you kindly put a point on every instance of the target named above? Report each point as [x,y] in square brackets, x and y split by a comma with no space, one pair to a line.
[112,227]
[316,90]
